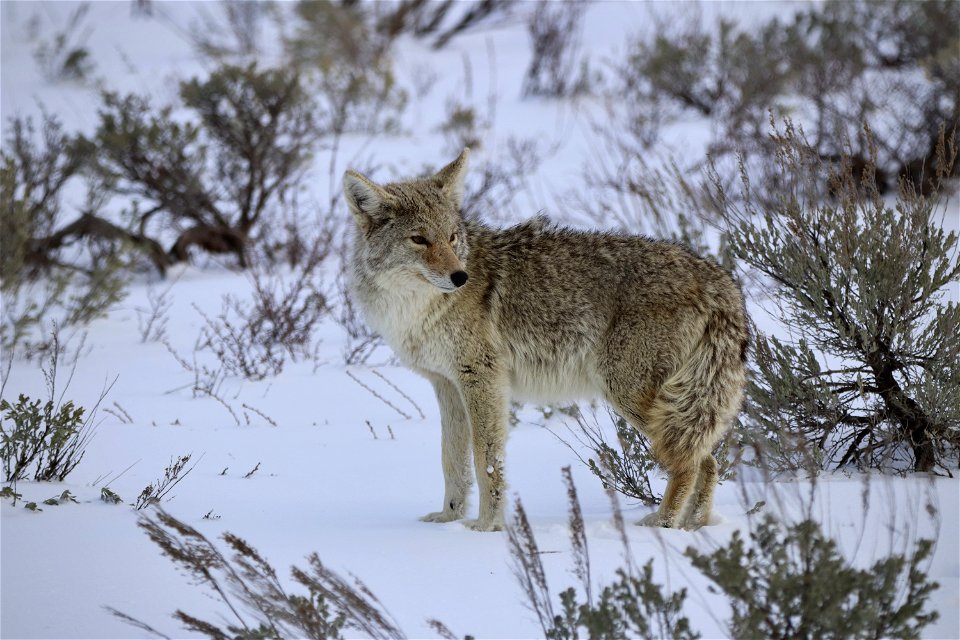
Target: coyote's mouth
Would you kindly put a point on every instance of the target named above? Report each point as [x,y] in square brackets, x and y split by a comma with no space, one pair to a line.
[444,288]
[438,283]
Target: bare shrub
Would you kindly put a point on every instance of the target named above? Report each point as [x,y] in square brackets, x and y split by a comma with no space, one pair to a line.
[625,191]
[493,186]
[464,127]
[348,65]
[625,466]
[554,29]
[298,237]
[256,603]
[336,47]
[468,123]
[622,460]
[235,33]
[152,321]
[42,273]
[216,179]
[233,338]
[710,70]
[837,64]
[253,339]
[156,491]
[443,20]
[476,14]
[893,65]
[287,314]
[867,375]
[361,340]
[207,380]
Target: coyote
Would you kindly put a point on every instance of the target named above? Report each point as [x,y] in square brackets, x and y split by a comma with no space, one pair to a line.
[546,313]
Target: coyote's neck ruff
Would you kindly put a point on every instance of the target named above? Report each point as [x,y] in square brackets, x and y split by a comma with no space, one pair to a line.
[539,312]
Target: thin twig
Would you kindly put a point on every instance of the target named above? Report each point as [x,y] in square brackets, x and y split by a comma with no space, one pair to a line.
[400,391]
[259,413]
[115,415]
[176,356]
[123,411]
[378,396]
[180,388]
[116,477]
[135,622]
[221,401]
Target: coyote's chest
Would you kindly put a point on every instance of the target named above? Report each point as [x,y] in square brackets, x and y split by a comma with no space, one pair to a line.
[413,324]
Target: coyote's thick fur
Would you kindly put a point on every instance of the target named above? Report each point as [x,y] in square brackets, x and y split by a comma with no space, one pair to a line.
[540,312]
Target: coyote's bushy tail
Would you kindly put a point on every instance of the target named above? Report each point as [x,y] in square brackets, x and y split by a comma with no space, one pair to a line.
[696,405]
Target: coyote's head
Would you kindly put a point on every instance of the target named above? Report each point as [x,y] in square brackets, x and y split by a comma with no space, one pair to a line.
[412,228]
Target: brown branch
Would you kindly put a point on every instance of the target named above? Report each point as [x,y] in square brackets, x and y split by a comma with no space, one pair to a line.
[91,225]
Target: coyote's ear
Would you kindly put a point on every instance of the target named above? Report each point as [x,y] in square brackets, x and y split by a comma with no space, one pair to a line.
[451,177]
[363,197]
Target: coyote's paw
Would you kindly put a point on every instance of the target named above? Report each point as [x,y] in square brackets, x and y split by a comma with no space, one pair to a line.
[441,516]
[655,519]
[483,525]
[696,520]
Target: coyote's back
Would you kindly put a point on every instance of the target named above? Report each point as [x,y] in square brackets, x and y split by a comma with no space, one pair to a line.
[540,312]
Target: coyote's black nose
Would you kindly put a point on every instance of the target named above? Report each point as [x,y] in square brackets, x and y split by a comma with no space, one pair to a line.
[459,278]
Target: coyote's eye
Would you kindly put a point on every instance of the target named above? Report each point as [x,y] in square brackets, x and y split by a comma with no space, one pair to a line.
[418,240]
[453,239]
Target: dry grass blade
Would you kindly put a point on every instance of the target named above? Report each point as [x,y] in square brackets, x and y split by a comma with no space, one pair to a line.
[442,630]
[362,609]
[140,624]
[191,550]
[618,522]
[528,568]
[578,536]
[249,586]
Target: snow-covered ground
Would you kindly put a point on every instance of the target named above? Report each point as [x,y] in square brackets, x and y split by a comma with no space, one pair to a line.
[338,470]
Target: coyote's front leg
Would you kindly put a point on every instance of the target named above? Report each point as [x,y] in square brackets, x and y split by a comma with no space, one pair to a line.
[455,451]
[484,391]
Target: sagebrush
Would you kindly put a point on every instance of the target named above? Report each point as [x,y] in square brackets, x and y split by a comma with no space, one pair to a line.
[868,374]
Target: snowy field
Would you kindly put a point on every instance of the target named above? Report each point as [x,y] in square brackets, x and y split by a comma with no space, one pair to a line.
[336,469]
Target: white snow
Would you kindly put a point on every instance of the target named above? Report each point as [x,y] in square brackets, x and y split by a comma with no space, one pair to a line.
[324,482]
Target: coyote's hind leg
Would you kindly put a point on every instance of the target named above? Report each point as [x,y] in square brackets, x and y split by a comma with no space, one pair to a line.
[698,512]
[680,486]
